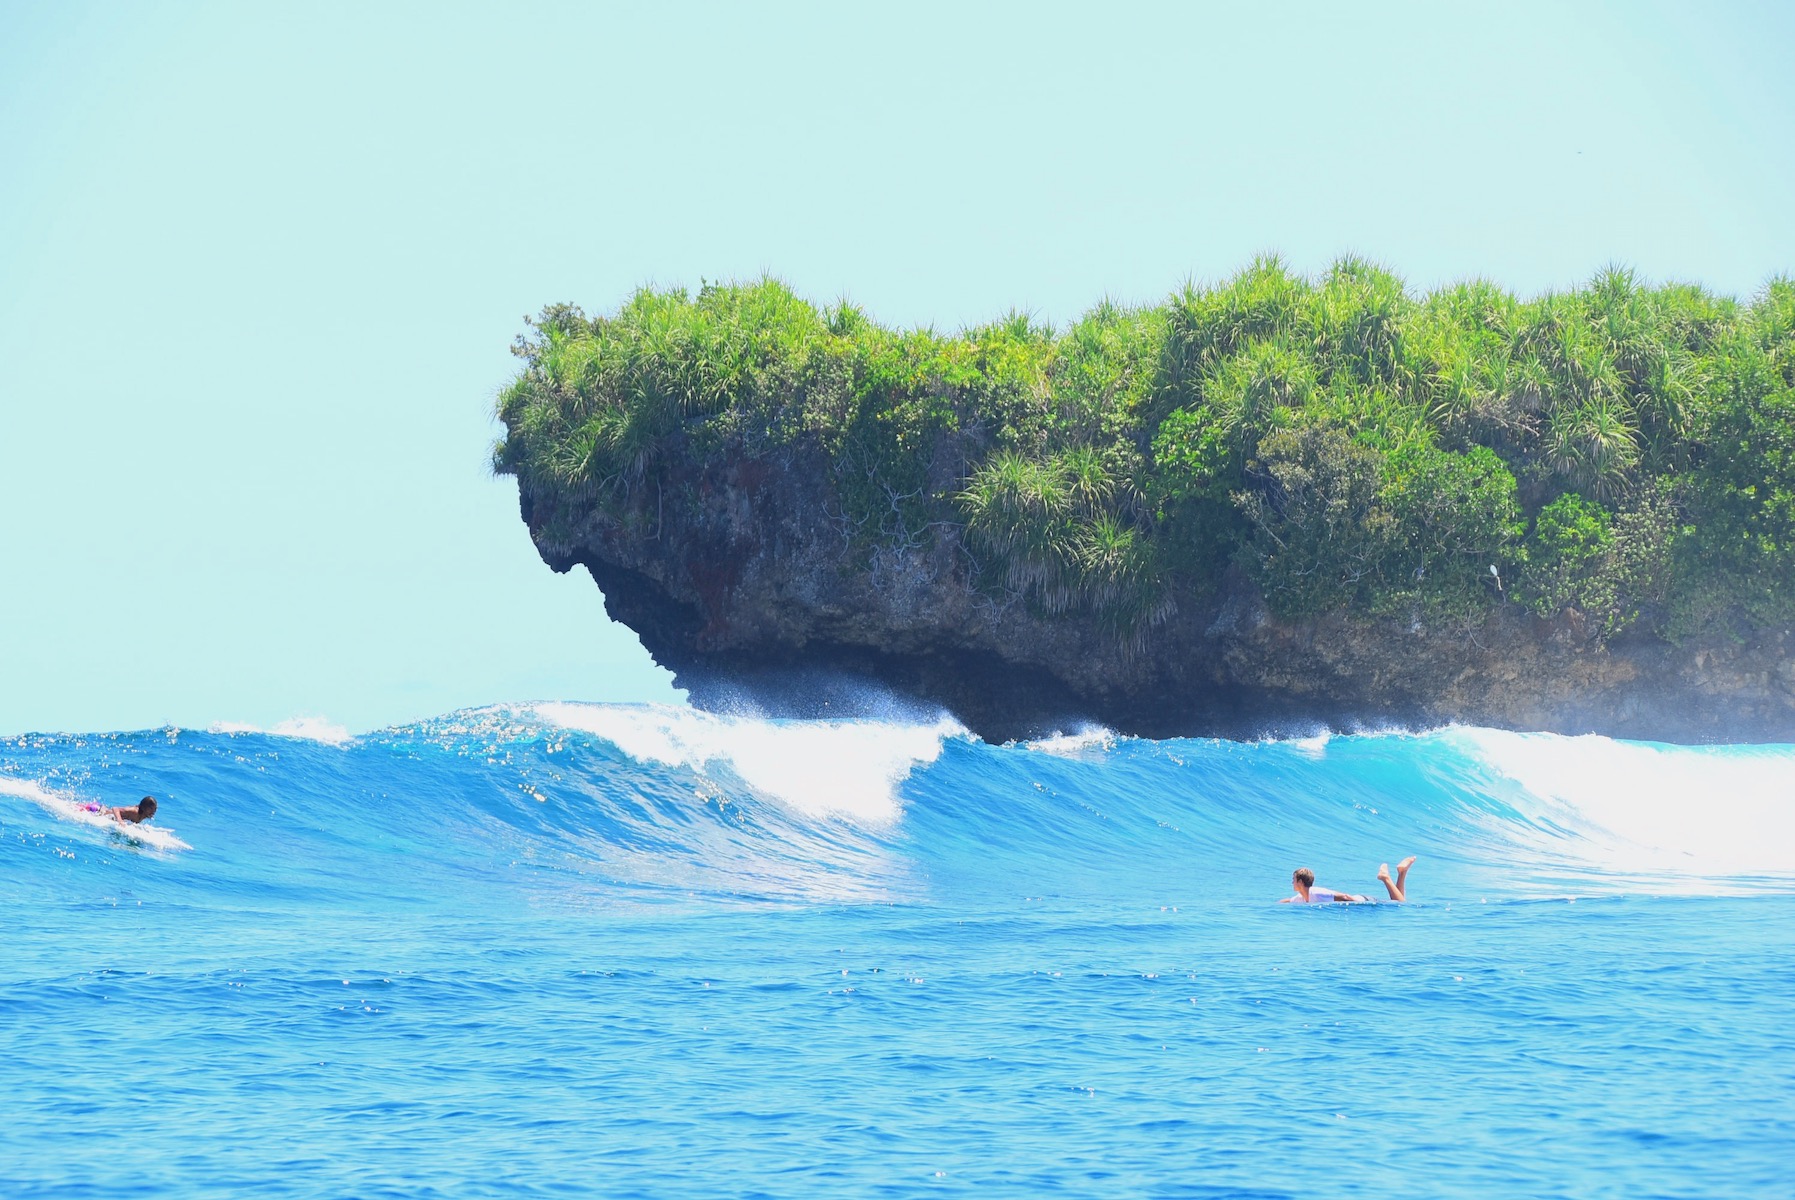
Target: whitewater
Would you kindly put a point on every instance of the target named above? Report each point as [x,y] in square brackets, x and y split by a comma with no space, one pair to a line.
[617,950]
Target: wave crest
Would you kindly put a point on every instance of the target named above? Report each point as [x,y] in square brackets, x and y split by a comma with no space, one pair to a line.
[1646,809]
[308,729]
[851,768]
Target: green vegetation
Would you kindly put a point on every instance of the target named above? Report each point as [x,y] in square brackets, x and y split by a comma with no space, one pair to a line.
[1623,451]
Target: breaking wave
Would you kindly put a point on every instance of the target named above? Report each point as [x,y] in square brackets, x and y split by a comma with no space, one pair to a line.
[592,803]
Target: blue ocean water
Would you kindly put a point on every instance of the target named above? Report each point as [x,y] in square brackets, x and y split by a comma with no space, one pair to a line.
[572,950]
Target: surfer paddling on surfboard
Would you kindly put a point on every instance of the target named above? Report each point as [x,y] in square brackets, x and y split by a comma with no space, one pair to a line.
[134,814]
[1307,893]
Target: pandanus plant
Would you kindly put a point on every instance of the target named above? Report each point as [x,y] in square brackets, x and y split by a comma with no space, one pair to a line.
[1358,314]
[1245,391]
[1206,327]
[1051,526]
[1594,445]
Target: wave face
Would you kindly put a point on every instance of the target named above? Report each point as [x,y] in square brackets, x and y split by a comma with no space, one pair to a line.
[530,927]
[596,803]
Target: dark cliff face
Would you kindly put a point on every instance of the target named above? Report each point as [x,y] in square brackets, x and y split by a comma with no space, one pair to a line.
[747,586]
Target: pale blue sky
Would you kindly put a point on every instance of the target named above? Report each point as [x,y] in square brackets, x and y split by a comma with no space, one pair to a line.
[260,265]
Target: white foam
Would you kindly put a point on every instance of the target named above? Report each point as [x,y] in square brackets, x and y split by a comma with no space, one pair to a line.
[1695,811]
[1314,746]
[1087,741]
[820,768]
[68,808]
[310,729]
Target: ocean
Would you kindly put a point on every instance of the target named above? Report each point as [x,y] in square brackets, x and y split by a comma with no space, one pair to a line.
[612,950]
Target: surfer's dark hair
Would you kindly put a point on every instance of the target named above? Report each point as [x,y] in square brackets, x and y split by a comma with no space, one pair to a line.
[1305,876]
[146,807]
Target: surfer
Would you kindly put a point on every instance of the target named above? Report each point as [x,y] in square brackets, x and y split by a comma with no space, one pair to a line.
[1307,893]
[135,814]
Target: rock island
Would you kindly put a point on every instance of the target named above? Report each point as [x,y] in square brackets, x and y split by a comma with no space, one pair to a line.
[1271,503]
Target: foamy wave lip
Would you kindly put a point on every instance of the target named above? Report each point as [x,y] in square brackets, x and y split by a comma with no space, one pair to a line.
[1313,746]
[69,809]
[1697,811]
[847,769]
[1087,741]
[310,729]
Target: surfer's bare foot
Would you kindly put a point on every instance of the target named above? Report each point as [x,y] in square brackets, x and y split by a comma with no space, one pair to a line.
[1383,872]
[1402,868]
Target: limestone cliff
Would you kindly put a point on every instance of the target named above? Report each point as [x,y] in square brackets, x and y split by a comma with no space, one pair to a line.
[753,585]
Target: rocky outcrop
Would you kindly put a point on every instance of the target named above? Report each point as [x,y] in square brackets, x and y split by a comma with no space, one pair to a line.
[752,583]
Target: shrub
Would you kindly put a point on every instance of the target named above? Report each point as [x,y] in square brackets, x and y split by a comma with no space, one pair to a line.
[1610,568]
[1338,523]
[1572,542]
[1319,535]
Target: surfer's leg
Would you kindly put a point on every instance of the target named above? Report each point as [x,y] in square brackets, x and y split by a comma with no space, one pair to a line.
[1398,887]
